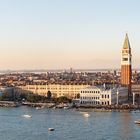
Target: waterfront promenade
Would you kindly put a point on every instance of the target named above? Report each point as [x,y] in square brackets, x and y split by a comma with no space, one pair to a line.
[124,107]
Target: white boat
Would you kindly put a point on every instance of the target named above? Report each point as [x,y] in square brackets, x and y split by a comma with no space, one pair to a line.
[38,108]
[27,116]
[66,107]
[86,115]
[51,129]
[137,122]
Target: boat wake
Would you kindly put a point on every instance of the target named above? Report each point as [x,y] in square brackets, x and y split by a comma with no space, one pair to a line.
[27,116]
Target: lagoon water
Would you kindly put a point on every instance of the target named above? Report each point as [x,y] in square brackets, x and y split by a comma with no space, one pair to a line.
[69,124]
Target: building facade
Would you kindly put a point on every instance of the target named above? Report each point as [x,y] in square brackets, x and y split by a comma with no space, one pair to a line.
[126,65]
[98,95]
[57,90]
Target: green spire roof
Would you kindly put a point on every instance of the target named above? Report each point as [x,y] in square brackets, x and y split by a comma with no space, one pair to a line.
[126,44]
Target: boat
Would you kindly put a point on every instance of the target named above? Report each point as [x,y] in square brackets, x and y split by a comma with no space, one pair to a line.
[66,107]
[60,106]
[51,129]
[27,116]
[86,115]
[38,108]
[137,122]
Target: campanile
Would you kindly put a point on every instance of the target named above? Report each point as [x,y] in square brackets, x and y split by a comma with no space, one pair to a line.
[126,65]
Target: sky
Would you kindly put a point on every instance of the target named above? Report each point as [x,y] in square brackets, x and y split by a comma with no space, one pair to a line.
[59,34]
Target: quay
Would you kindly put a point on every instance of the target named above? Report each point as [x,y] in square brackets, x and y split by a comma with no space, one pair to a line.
[8,104]
[42,105]
[97,108]
[128,107]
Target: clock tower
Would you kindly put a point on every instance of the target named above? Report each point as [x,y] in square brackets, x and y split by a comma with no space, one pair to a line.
[126,65]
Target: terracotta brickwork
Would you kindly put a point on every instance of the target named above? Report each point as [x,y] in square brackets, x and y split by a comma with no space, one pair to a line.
[126,74]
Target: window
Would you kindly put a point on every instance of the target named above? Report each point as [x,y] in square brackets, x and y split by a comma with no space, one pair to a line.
[108,102]
[125,59]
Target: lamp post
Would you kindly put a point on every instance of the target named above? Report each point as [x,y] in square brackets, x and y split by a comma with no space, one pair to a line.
[133,98]
[117,97]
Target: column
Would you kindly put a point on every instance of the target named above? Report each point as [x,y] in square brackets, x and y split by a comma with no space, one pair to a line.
[133,98]
[117,97]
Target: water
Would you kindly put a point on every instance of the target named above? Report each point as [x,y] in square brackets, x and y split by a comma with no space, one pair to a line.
[69,125]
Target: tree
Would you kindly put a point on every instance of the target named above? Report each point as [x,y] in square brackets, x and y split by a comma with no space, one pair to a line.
[49,95]
[78,96]
[63,99]
[34,98]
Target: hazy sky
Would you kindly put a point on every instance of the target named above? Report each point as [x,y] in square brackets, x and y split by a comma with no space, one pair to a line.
[58,34]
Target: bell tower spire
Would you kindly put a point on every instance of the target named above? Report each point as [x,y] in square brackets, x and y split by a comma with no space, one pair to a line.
[126,44]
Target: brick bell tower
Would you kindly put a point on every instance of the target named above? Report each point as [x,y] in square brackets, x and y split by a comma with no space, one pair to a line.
[126,65]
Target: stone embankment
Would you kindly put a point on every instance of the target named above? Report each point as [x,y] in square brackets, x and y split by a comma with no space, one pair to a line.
[123,107]
[113,107]
[8,104]
[47,105]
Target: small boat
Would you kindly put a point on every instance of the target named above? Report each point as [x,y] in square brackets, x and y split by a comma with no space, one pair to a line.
[86,115]
[38,108]
[51,129]
[27,116]
[66,107]
[137,122]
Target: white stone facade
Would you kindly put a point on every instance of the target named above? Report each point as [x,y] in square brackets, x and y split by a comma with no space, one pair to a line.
[96,95]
